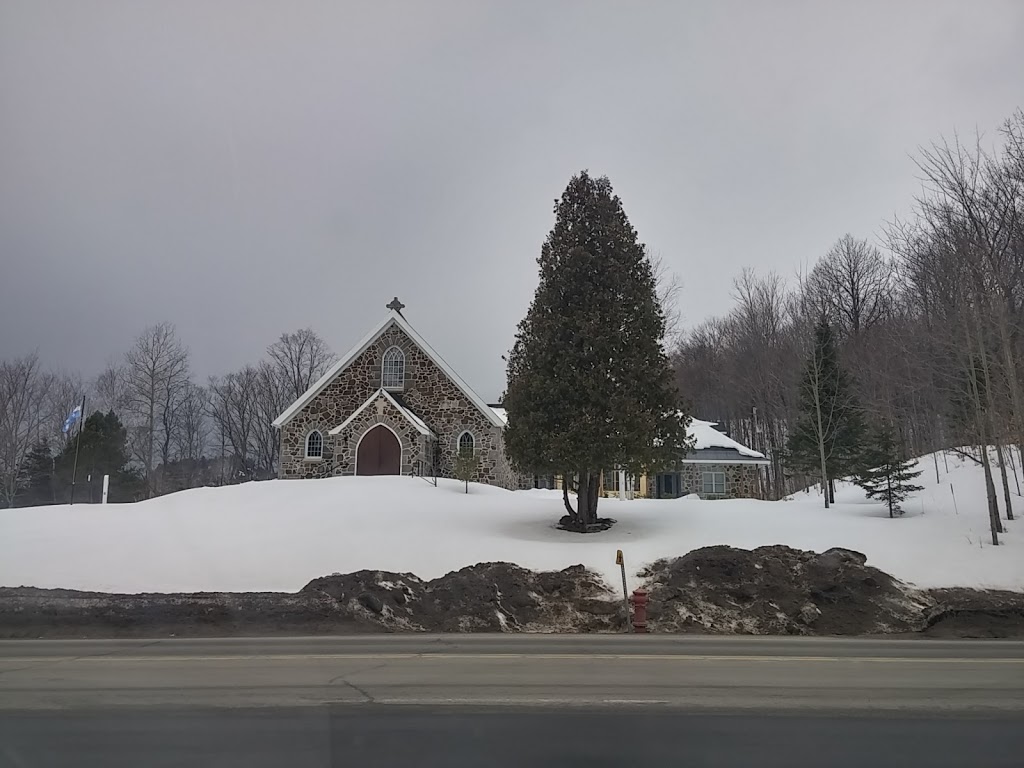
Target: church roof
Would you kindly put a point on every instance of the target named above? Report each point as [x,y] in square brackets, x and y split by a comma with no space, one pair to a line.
[394,318]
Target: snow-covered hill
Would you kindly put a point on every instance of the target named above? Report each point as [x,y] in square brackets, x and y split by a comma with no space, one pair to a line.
[278,535]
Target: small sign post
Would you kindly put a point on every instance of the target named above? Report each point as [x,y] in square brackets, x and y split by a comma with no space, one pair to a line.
[621,562]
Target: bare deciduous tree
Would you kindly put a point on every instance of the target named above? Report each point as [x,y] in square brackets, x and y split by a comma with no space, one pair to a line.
[26,410]
[299,359]
[234,410]
[853,283]
[109,388]
[192,427]
[669,287]
[156,374]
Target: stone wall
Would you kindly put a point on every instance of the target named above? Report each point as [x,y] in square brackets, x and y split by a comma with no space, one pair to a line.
[428,392]
[740,479]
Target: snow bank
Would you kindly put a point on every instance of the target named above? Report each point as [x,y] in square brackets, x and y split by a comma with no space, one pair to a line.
[278,535]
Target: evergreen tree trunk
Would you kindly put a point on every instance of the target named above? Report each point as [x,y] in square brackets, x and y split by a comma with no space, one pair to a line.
[821,438]
[582,499]
[150,426]
[888,488]
[586,500]
[593,496]
[565,498]
[1006,482]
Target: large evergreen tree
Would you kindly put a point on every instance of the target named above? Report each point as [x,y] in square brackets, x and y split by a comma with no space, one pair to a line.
[589,384]
[888,474]
[829,434]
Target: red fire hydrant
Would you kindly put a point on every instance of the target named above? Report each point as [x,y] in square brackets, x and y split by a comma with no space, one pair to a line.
[639,602]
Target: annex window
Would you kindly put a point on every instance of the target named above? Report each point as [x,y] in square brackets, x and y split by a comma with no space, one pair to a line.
[392,375]
[314,445]
[467,443]
[714,483]
[611,480]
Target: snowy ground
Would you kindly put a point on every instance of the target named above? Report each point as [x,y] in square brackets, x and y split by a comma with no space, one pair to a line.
[278,535]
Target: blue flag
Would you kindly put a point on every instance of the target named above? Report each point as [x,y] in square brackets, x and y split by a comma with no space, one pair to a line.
[72,419]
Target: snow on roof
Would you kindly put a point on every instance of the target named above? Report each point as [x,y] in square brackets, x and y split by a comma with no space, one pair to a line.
[706,436]
[703,433]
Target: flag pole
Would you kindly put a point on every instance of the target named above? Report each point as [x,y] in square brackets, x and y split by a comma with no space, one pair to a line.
[78,444]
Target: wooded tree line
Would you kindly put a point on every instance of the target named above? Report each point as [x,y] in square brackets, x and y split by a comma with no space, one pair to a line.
[927,325]
[153,427]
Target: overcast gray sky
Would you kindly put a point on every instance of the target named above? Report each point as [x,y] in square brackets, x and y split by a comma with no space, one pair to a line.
[244,168]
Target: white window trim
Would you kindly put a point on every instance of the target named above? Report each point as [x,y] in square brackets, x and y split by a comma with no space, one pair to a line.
[458,441]
[383,361]
[713,491]
[305,447]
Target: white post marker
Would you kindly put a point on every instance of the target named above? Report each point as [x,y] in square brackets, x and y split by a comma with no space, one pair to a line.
[621,562]
[622,485]
[106,488]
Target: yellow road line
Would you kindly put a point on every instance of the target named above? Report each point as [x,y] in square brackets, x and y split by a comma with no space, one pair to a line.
[511,657]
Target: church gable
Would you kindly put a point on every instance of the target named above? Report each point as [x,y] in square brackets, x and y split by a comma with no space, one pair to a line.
[423,386]
[394,357]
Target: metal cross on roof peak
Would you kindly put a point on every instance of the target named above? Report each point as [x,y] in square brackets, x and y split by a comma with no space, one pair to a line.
[396,305]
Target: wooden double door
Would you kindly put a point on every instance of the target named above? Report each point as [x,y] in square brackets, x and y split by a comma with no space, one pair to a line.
[379,453]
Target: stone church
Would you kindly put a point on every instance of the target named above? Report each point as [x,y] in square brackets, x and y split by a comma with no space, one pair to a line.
[392,406]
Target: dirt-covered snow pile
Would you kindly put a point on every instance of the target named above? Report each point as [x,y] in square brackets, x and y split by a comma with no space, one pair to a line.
[28,612]
[779,590]
[488,597]
[976,613]
[768,590]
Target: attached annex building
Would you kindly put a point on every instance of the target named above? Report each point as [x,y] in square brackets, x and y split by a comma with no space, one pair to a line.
[392,406]
[717,468]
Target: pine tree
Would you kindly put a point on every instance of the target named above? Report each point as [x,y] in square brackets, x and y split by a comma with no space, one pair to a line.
[37,476]
[888,474]
[589,384]
[829,435]
[466,465]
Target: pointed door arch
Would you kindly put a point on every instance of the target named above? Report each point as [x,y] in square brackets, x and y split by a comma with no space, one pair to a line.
[379,452]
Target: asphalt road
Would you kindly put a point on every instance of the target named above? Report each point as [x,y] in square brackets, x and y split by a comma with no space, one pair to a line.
[512,700]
